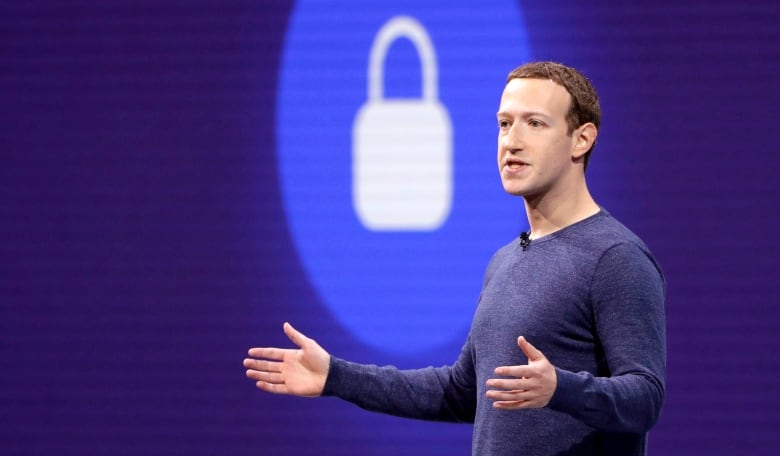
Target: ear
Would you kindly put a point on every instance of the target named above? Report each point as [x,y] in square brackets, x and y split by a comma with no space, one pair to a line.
[583,137]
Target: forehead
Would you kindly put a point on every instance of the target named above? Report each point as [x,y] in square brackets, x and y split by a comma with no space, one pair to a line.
[537,95]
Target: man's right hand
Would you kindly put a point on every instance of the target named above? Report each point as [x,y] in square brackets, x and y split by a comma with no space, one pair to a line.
[300,372]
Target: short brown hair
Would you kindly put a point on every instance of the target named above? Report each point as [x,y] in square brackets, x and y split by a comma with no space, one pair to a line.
[584,106]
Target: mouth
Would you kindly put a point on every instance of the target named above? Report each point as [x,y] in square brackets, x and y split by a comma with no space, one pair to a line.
[514,164]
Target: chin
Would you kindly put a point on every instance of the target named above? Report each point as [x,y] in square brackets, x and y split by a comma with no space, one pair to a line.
[514,191]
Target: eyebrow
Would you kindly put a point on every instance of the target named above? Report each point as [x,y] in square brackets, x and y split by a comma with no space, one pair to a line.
[524,114]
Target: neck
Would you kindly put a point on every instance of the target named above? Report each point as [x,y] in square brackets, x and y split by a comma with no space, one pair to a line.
[552,212]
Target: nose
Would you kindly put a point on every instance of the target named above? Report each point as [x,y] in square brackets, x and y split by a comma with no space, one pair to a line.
[512,141]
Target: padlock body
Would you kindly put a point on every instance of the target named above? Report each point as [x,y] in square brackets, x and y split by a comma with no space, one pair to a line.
[402,165]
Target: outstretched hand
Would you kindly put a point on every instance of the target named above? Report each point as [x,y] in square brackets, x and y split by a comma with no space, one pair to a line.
[533,384]
[300,372]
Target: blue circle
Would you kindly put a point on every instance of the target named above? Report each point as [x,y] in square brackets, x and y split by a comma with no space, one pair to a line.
[397,291]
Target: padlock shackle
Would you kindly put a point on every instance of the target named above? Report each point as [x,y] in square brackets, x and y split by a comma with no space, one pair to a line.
[407,27]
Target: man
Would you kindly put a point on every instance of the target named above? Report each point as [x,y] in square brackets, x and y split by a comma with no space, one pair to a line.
[566,352]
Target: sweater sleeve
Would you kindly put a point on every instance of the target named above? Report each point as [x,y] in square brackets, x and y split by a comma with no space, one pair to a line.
[628,299]
[446,393]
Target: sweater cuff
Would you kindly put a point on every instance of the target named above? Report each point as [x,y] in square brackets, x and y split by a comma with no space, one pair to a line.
[338,377]
[568,395]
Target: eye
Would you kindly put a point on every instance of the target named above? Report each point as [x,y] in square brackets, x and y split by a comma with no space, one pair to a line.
[535,123]
[503,124]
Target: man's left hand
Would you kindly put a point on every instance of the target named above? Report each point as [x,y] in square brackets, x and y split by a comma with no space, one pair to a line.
[533,384]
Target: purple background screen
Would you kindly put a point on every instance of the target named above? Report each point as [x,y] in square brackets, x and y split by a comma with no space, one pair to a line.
[144,243]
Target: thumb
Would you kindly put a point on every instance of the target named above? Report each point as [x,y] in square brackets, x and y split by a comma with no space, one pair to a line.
[530,351]
[295,336]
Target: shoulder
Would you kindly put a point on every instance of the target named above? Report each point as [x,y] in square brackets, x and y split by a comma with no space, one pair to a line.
[621,256]
[604,230]
[610,249]
[501,256]
[605,237]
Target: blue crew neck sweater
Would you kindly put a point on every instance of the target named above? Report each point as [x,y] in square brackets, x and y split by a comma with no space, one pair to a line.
[590,297]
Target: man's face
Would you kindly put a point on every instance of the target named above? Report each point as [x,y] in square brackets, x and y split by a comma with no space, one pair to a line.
[534,150]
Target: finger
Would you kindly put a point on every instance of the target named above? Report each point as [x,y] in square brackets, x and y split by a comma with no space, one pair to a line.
[268,353]
[523,371]
[268,377]
[512,395]
[509,384]
[530,351]
[295,336]
[262,365]
[511,405]
[272,387]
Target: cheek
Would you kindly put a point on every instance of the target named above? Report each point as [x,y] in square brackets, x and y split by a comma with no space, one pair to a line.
[561,148]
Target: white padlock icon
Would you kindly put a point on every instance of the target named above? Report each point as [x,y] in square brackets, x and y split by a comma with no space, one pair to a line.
[401,147]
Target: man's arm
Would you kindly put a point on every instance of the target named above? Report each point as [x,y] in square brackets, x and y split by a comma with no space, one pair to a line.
[446,393]
[627,295]
[628,307]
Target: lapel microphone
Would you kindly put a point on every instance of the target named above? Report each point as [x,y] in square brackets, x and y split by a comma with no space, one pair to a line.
[525,240]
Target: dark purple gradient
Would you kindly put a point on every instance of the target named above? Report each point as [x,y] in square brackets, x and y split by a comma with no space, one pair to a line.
[142,254]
